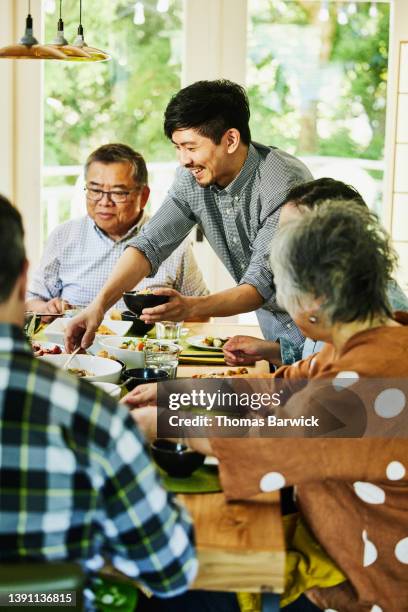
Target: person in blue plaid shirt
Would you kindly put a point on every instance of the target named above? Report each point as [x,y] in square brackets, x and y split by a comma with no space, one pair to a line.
[76,479]
[233,189]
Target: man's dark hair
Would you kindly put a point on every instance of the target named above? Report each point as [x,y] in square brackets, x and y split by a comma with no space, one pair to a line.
[324,189]
[211,108]
[12,252]
[120,153]
[338,252]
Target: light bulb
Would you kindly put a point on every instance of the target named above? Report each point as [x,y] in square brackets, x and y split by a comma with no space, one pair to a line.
[163,6]
[139,16]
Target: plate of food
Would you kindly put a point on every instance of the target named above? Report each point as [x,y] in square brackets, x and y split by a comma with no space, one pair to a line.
[46,348]
[209,343]
[222,374]
[88,367]
[55,331]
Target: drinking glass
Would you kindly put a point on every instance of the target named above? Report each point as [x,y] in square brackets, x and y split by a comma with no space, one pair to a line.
[162,355]
[168,330]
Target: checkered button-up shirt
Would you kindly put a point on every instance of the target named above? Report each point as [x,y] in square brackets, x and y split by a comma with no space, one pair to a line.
[239,222]
[79,258]
[77,481]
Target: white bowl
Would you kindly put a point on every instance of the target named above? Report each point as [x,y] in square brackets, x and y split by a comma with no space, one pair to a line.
[103,370]
[133,359]
[55,331]
[109,388]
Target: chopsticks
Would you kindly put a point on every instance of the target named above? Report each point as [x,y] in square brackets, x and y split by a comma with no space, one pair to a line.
[70,358]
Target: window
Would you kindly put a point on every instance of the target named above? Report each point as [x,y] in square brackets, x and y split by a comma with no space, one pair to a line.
[316,77]
[86,105]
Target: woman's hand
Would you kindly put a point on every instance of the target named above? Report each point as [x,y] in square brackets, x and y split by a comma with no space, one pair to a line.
[246,350]
[142,395]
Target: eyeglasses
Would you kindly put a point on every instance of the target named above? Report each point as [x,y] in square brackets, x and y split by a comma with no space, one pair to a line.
[117,197]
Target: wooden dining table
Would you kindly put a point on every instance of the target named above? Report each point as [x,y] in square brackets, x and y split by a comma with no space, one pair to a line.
[240,545]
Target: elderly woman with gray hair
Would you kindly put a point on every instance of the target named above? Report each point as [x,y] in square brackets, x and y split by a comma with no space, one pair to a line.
[332,267]
[245,350]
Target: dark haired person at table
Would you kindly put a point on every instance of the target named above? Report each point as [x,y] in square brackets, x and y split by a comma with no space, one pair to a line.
[80,254]
[352,493]
[77,481]
[245,350]
[229,186]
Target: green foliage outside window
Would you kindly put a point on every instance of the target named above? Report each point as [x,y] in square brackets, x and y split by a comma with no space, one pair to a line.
[123,100]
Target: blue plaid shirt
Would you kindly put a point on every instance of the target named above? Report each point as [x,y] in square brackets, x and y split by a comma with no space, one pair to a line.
[76,479]
[239,222]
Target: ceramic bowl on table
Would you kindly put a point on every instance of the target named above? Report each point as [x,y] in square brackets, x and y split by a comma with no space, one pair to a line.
[100,369]
[142,376]
[136,302]
[56,330]
[176,459]
[132,358]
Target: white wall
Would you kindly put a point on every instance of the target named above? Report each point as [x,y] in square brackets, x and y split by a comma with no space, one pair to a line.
[21,122]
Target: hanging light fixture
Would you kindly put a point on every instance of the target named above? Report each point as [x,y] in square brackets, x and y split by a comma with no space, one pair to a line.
[71,52]
[96,55]
[29,47]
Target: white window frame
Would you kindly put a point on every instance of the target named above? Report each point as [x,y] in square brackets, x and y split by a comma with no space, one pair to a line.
[214,47]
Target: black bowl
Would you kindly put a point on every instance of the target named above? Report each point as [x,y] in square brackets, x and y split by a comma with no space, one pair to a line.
[141,376]
[139,327]
[177,463]
[136,302]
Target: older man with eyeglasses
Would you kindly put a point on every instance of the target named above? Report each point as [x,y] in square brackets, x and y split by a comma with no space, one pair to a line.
[80,254]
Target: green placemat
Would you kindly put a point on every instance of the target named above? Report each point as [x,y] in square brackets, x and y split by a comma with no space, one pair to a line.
[204,480]
[113,595]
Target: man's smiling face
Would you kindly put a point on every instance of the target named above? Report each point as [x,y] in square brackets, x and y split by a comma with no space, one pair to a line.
[208,162]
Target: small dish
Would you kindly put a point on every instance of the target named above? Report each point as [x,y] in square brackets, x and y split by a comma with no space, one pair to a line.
[132,359]
[55,331]
[177,460]
[102,370]
[198,342]
[142,376]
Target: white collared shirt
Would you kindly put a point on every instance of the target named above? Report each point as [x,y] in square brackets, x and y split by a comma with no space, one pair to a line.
[79,258]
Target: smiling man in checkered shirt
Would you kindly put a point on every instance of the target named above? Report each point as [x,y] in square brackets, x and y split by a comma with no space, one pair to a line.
[80,254]
[230,187]
[76,480]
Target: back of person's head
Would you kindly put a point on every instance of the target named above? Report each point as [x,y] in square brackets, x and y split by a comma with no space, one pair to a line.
[12,252]
[312,193]
[120,153]
[211,108]
[336,253]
